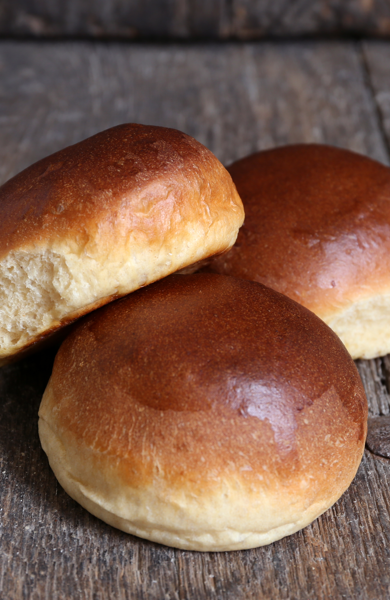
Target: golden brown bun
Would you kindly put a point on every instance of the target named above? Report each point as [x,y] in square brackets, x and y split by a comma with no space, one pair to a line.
[317,228]
[102,218]
[204,412]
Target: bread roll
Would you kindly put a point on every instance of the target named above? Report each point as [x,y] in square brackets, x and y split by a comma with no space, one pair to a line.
[317,229]
[102,218]
[204,412]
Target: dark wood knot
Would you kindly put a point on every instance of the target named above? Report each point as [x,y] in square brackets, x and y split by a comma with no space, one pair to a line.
[378,436]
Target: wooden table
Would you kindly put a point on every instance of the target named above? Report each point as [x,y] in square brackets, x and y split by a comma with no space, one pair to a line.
[235,98]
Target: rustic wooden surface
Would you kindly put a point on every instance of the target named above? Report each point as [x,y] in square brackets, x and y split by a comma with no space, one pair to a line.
[377,58]
[378,435]
[186,19]
[236,99]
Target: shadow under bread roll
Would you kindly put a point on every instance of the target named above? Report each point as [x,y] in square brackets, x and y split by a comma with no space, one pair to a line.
[204,412]
[317,228]
[103,218]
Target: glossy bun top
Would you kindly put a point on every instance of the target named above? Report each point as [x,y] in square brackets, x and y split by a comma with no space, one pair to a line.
[317,228]
[210,393]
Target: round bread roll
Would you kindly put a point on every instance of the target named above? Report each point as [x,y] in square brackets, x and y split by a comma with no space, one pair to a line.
[102,218]
[204,412]
[317,229]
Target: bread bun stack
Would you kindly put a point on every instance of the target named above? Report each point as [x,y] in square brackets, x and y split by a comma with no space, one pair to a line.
[204,411]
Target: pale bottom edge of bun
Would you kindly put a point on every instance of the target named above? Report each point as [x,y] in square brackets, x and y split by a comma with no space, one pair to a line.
[153,524]
[363,327]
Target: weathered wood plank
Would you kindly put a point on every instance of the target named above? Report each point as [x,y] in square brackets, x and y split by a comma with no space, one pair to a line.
[236,99]
[374,374]
[378,436]
[377,55]
[117,18]
[213,19]
[359,17]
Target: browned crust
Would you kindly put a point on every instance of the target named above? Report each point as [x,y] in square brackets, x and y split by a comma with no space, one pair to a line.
[205,377]
[317,225]
[95,186]
[110,196]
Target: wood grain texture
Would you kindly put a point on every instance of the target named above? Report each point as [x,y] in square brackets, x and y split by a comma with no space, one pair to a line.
[377,57]
[283,17]
[236,99]
[212,19]
[116,18]
[378,436]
